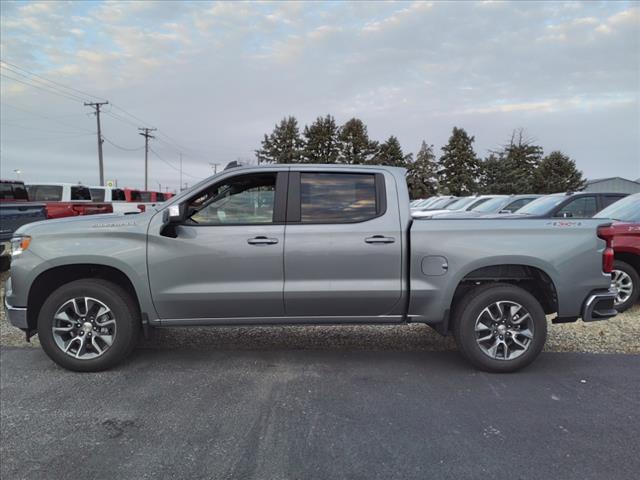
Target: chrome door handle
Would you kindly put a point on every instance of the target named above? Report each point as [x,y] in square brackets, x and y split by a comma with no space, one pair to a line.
[379,239]
[261,240]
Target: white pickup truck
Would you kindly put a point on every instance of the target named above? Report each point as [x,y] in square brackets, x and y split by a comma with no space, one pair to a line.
[116,197]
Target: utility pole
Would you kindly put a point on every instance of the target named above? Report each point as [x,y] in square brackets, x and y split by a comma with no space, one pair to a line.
[214,166]
[146,136]
[180,171]
[96,106]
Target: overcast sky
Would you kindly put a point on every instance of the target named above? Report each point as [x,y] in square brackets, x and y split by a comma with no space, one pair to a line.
[214,77]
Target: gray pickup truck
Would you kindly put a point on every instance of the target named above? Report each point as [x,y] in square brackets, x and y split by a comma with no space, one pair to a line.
[304,244]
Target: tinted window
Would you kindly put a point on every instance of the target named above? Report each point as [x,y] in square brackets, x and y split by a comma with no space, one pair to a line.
[610,199]
[160,197]
[246,199]
[337,197]
[145,196]
[13,191]
[97,194]
[626,210]
[516,204]
[80,193]
[117,195]
[135,196]
[45,193]
[583,207]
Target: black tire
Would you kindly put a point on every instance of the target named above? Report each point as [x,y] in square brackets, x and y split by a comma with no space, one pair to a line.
[635,285]
[470,308]
[5,263]
[127,320]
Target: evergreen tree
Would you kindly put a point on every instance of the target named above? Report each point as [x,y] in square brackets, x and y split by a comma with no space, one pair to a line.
[521,159]
[494,176]
[321,141]
[422,177]
[459,165]
[283,145]
[355,146]
[390,153]
[557,173]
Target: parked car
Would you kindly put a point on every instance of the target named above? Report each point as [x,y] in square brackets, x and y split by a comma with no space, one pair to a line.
[462,204]
[15,211]
[496,205]
[626,247]
[66,199]
[116,197]
[424,202]
[438,204]
[567,205]
[216,255]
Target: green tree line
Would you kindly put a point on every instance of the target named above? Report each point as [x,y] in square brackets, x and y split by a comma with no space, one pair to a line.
[520,166]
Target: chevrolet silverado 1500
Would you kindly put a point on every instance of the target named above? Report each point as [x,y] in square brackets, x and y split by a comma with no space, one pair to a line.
[304,244]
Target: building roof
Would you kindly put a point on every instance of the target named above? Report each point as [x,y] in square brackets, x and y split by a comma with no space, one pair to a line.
[598,180]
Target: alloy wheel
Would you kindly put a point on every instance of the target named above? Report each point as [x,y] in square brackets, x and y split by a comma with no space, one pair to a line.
[622,281]
[84,328]
[504,330]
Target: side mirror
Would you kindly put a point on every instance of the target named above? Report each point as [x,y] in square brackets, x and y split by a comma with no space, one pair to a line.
[175,214]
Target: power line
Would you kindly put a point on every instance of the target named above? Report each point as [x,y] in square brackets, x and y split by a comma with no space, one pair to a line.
[173,166]
[120,147]
[53,119]
[37,129]
[40,88]
[50,81]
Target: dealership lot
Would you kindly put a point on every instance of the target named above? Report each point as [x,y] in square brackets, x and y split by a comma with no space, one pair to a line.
[325,402]
[280,413]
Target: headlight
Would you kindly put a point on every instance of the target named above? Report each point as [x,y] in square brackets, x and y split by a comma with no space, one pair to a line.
[19,245]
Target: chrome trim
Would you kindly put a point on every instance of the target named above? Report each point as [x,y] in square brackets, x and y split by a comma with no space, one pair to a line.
[17,315]
[589,312]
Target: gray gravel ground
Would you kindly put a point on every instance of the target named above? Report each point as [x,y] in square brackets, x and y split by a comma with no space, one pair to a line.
[618,335]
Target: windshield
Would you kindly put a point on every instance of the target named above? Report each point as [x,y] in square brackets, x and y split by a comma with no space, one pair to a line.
[625,210]
[490,206]
[442,203]
[542,205]
[461,203]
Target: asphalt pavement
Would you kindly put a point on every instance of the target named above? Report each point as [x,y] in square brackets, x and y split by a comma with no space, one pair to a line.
[299,414]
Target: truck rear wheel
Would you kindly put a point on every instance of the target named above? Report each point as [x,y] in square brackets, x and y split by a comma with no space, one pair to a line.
[88,325]
[627,281]
[499,327]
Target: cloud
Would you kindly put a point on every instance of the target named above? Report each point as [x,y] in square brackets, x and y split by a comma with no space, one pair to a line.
[217,76]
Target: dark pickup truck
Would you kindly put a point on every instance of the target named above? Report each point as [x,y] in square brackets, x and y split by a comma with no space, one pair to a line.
[15,211]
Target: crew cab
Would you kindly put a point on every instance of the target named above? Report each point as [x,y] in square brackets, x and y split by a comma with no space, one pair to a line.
[626,249]
[304,244]
[66,199]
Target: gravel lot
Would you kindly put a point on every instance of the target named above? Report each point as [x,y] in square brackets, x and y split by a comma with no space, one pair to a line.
[618,335]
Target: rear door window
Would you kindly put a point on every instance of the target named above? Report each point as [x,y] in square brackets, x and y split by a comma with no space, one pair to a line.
[338,197]
[45,193]
[97,194]
[583,207]
[80,193]
[117,195]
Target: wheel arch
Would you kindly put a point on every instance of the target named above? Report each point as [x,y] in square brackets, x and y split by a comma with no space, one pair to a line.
[51,279]
[531,278]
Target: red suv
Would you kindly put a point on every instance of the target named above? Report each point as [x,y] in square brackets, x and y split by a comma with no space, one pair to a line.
[626,246]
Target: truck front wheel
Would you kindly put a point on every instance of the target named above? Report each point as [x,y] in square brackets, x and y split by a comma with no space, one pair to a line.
[88,325]
[499,327]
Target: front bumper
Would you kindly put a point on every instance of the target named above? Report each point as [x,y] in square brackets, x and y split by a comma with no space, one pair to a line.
[599,306]
[17,315]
